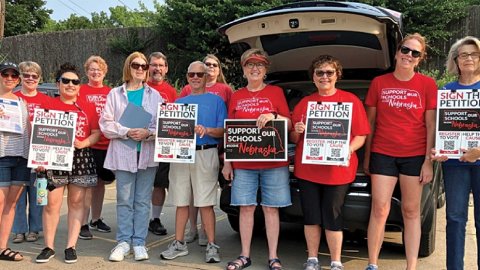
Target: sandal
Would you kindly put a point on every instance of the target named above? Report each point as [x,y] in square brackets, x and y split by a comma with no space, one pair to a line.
[273,261]
[32,237]
[19,238]
[10,255]
[245,262]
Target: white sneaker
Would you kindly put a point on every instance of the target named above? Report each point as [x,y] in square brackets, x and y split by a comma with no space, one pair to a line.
[175,249]
[140,253]
[190,236]
[119,251]
[202,238]
[211,253]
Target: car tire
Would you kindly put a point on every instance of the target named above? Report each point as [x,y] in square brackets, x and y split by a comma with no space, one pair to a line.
[429,226]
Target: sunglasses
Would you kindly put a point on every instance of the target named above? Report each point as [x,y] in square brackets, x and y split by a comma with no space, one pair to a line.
[28,76]
[251,65]
[67,81]
[406,50]
[14,76]
[321,73]
[193,74]
[137,66]
[211,64]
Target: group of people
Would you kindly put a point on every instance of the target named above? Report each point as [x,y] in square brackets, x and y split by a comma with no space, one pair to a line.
[398,139]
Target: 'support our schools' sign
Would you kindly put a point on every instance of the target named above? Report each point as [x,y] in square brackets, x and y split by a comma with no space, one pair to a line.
[51,145]
[244,141]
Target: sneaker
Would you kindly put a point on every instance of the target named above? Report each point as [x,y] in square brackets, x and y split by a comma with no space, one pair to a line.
[85,233]
[191,236]
[175,249]
[70,255]
[202,238]
[156,227]
[211,253]
[371,267]
[119,251]
[45,256]
[100,226]
[140,253]
[335,266]
[311,265]
[18,238]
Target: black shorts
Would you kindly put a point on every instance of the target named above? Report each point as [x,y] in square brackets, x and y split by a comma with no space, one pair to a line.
[394,166]
[161,178]
[104,174]
[322,204]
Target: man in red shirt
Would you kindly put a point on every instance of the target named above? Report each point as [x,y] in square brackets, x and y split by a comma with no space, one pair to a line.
[158,68]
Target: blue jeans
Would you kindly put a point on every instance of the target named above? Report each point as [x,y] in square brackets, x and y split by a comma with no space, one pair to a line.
[33,222]
[459,181]
[134,195]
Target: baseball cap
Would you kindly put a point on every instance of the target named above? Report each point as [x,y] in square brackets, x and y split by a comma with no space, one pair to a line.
[9,65]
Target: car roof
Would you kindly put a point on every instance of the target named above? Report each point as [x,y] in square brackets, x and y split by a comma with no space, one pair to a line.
[362,37]
[49,89]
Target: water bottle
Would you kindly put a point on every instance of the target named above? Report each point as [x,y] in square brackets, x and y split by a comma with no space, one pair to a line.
[42,192]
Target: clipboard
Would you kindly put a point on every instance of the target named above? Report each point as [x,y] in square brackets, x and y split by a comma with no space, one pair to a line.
[134,117]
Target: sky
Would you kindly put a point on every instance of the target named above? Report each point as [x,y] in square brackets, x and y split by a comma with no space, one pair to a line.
[63,8]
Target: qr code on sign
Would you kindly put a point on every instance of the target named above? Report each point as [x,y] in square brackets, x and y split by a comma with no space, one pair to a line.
[165,150]
[184,151]
[314,152]
[40,156]
[472,144]
[449,145]
[60,159]
[335,153]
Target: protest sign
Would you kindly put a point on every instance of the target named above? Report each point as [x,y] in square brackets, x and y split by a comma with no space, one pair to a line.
[175,139]
[458,121]
[53,134]
[244,141]
[11,120]
[327,133]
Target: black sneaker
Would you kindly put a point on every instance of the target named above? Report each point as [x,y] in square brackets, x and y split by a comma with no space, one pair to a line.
[45,256]
[156,227]
[100,226]
[70,255]
[85,233]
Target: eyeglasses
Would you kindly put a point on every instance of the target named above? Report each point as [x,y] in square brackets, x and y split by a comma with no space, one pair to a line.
[67,81]
[211,64]
[259,65]
[28,76]
[198,74]
[473,55]
[94,70]
[321,73]
[157,65]
[11,75]
[137,66]
[406,50]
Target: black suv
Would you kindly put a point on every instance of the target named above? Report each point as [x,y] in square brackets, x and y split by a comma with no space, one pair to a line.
[364,39]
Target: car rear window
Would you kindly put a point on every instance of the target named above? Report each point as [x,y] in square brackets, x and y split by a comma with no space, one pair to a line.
[277,43]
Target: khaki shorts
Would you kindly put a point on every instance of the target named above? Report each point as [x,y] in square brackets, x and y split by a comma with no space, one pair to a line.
[199,179]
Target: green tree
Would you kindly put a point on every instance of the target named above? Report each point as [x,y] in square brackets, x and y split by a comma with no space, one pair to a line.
[25,16]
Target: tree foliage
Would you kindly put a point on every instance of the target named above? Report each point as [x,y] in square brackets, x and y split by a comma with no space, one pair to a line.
[25,16]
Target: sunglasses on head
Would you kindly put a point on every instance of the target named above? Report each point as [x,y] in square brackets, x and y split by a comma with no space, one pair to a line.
[321,73]
[67,81]
[193,74]
[406,50]
[211,64]
[137,66]
[11,75]
[28,76]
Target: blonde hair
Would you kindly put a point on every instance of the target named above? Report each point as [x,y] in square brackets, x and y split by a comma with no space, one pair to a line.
[254,51]
[99,61]
[451,63]
[221,77]
[127,75]
[30,66]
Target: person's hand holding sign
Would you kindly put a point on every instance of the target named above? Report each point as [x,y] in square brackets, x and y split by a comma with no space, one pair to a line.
[200,130]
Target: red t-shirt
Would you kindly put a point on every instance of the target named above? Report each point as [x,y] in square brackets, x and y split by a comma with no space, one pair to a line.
[330,174]
[96,96]
[167,92]
[34,102]
[247,105]
[87,117]
[400,129]
[220,89]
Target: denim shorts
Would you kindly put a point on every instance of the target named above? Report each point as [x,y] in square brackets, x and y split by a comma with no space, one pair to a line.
[273,183]
[14,171]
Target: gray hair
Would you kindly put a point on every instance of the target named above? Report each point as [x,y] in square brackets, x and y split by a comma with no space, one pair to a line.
[451,63]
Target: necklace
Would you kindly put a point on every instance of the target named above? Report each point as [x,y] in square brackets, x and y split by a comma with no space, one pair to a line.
[257,91]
